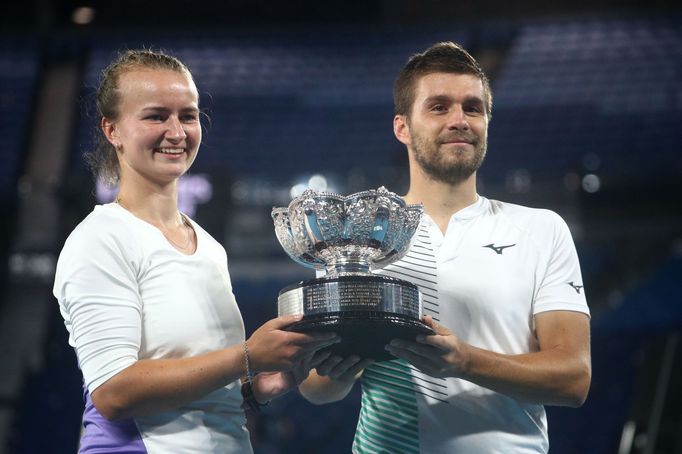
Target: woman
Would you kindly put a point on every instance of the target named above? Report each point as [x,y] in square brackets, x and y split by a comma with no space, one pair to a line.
[145,292]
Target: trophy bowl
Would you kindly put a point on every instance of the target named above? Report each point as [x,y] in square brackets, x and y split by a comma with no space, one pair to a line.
[347,238]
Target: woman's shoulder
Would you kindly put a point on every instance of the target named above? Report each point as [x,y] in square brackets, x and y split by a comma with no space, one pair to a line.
[102,220]
[106,224]
[103,240]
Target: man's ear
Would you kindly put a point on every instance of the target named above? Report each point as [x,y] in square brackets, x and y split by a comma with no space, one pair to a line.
[110,132]
[401,129]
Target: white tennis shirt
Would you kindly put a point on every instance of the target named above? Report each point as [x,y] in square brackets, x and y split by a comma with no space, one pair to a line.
[497,266]
[126,294]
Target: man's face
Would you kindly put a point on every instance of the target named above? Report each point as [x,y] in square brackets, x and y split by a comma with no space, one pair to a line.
[447,129]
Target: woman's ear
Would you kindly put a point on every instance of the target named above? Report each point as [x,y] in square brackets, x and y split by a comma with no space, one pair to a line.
[110,132]
[401,129]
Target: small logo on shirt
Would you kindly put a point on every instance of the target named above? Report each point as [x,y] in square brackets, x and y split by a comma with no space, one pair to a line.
[575,287]
[499,249]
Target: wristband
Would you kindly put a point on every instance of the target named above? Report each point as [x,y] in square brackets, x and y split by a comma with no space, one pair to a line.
[250,402]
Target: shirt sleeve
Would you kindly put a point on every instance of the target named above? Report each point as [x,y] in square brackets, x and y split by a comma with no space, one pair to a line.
[96,286]
[561,283]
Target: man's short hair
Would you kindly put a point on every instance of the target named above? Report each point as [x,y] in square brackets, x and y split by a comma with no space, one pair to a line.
[445,57]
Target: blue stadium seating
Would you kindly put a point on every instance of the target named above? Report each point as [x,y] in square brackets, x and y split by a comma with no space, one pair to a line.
[607,88]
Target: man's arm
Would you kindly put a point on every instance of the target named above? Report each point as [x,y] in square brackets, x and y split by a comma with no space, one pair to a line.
[558,374]
[333,379]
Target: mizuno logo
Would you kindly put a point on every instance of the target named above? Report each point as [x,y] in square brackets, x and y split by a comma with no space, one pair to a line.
[498,249]
[575,287]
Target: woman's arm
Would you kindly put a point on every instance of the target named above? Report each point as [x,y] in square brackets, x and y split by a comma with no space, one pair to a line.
[155,385]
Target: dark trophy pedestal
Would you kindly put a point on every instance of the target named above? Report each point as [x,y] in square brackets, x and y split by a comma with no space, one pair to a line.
[366,311]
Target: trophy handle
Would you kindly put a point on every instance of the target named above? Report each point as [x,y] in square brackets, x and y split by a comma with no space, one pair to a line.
[381,220]
[286,239]
[312,228]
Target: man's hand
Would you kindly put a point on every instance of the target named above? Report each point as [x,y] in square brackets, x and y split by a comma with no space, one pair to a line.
[440,355]
[333,379]
[270,385]
[341,369]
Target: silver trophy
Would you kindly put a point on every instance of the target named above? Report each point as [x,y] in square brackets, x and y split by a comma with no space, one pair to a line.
[348,237]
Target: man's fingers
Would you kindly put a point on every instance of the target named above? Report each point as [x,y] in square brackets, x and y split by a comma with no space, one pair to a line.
[352,372]
[437,327]
[433,352]
[343,367]
[440,329]
[437,341]
[327,365]
[423,363]
[364,364]
[307,363]
[301,371]
[319,357]
[339,368]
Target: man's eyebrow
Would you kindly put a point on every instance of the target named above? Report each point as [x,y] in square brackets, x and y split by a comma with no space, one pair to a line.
[447,99]
[438,98]
[473,100]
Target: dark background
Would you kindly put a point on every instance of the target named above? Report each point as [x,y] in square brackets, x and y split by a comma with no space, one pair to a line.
[586,119]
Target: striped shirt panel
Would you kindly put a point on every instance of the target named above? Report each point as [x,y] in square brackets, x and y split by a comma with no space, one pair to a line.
[389,420]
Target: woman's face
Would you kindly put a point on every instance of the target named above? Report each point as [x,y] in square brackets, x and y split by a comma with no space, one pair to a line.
[158,133]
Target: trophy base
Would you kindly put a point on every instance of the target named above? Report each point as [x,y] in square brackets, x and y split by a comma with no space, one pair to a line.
[363,333]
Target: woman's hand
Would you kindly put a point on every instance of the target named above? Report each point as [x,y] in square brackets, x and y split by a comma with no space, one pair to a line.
[272,349]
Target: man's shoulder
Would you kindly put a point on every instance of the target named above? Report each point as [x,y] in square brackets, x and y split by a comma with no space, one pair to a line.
[527,218]
[522,211]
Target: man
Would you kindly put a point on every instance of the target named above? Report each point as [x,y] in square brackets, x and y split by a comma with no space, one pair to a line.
[501,284]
